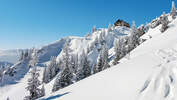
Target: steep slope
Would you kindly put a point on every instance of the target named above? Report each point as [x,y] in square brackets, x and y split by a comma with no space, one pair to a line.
[18,81]
[149,74]
[15,73]
[78,44]
[17,91]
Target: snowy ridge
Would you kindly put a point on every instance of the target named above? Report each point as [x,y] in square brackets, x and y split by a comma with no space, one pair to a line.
[77,44]
[132,80]
[15,73]
[149,70]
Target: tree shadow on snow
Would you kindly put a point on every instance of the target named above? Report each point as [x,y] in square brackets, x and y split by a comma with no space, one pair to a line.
[55,97]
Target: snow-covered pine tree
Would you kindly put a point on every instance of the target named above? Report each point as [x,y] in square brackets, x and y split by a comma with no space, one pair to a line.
[74,66]
[53,66]
[34,57]
[94,29]
[44,75]
[105,57]
[33,82]
[123,47]
[51,70]
[65,77]
[117,50]
[173,10]
[101,39]
[100,62]
[164,21]
[84,67]
[133,40]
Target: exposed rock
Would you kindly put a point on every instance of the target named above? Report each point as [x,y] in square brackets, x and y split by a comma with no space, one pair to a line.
[121,23]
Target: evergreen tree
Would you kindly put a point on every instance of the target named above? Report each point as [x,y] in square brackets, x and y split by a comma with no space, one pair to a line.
[34,58]
[44,78]
[164,21]
[173,10]
[65,77]
[33,82]
[133,40]
[117,50]
[74,66]
[100,62]
[84,67]
[51,70]
[105,57]
[53,66]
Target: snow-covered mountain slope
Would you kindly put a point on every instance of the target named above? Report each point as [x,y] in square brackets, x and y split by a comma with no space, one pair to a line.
[15,73]
[149,74]
[18,91]
[11,56]
[78,44]
[52,49]
[19,79]
[150,68]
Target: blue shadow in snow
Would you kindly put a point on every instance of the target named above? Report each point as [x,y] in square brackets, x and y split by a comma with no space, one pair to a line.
[56,96]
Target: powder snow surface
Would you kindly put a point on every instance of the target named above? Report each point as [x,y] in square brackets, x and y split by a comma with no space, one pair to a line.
[150,73]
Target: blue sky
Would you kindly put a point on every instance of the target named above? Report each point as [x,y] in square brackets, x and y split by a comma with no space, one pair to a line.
[28,23]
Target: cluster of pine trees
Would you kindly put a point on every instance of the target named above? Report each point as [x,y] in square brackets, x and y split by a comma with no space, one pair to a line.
[73,67]
[50,70]
[33,82]
[163,20]
[103,61]
[124,45]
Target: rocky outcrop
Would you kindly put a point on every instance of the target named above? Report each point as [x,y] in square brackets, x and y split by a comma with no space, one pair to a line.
[121,23]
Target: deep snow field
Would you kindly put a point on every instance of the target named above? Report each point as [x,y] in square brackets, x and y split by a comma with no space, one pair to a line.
[150,73]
